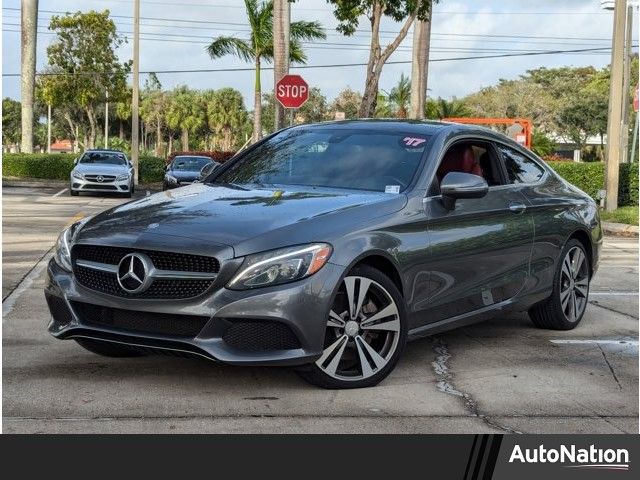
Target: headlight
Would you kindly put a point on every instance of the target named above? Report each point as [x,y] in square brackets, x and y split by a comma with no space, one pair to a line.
[62,254]
[77,175]
[280,266]
[122,178]
[63,249]
[171,178]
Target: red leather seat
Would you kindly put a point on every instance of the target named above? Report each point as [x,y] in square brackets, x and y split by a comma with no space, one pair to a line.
[459,158]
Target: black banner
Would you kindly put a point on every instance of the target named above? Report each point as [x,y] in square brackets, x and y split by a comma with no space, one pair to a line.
[465,457]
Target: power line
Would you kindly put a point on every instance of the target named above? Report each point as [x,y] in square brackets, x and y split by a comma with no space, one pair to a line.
[436,10]
[337,65]
[244,24]
[435,46]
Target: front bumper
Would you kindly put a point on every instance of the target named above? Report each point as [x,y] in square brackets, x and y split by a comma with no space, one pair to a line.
[78,185]
[301,306]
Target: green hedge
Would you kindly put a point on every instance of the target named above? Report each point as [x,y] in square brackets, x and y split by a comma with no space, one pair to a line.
[589,177]
[57,166]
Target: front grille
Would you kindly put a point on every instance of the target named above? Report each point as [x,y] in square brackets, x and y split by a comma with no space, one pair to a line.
[98,186]
[170,289]
[162,260]
[106,282]
[260,336]
[105,178]
[59,309]
[138,321]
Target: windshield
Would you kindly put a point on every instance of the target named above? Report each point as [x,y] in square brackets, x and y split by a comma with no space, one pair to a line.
[103,158]
[340,158]
[190,164]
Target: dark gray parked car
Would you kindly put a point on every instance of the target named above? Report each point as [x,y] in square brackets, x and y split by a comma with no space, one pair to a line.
[326,247]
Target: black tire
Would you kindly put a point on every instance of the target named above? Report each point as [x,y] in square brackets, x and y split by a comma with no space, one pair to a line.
[128,194]
[133,188]
[108,349]
[315,375]
[74,193]
[550,313]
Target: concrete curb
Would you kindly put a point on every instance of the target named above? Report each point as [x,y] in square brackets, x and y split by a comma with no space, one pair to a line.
[34,183]
[620,229]
[42,183]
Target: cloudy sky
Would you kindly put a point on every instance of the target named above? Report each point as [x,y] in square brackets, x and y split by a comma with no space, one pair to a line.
[174,35]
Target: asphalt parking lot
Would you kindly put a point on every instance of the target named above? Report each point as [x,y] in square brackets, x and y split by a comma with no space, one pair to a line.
[499,376]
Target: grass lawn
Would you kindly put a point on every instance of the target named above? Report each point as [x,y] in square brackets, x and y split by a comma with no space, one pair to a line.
[628,215]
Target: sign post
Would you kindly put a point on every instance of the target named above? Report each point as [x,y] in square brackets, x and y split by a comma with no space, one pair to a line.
[292,91]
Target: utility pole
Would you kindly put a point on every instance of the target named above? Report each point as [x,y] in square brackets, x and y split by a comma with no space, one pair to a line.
[29,37]
[106,120]
[420,65]
[49,128]
[135,127]
[614,123]
[626,85]
[281,23]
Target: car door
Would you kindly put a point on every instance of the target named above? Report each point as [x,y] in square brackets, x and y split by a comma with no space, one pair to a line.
[479,252]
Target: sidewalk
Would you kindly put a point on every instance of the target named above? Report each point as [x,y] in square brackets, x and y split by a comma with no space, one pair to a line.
[620,229]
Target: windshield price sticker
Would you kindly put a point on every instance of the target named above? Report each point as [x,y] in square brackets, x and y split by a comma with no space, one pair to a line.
[392,189]
[413,141]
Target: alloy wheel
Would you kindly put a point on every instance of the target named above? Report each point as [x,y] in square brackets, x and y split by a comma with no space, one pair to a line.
[574,284]
[363,330]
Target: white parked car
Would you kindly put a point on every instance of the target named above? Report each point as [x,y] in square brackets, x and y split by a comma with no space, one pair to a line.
[102,171]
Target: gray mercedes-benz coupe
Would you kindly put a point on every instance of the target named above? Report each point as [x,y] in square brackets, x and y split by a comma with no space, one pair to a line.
[327,247]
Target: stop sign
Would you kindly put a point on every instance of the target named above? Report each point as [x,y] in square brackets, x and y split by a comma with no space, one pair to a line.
[292,91]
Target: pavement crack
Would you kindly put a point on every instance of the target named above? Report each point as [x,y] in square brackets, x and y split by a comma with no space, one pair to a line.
[597,304]
[445,384]
[613,372]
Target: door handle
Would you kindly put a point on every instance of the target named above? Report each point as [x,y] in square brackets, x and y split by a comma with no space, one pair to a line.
[517,207]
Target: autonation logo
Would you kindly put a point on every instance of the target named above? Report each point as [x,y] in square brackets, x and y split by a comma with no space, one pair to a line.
[574,457]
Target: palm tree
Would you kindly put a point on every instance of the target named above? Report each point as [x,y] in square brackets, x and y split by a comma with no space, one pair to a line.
[442,108]
[400,96]
[259,47]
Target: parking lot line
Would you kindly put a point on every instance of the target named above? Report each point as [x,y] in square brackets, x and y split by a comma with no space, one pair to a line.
[595,341]
[616,294]
[25,283]
[60,192]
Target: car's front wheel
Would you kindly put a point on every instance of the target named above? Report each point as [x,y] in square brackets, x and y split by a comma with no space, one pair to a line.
[365,333]
[74,193]
[564,309]
[107,349]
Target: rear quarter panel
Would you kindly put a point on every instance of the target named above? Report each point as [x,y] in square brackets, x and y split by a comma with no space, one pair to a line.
[559,211]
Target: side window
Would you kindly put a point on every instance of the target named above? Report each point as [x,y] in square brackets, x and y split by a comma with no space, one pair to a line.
[520,169]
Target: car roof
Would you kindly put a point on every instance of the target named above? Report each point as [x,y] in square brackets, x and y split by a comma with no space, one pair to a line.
[103,150]
[425,127]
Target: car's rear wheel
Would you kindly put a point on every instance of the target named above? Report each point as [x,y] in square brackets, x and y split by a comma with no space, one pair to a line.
[564,309]
[365,334]
[107,349]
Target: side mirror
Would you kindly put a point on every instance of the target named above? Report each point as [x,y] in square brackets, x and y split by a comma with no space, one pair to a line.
[457,185]
[75,161]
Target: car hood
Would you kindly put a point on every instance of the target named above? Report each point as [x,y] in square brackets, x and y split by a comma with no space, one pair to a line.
[100,168]
[248,220]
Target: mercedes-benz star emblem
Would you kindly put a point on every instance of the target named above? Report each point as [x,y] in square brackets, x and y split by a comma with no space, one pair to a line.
[133,272]
[100,178]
